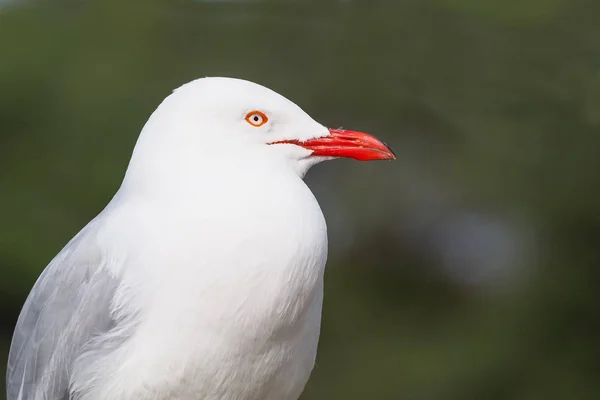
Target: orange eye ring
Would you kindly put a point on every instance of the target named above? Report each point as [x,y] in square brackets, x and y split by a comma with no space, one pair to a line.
[256,118]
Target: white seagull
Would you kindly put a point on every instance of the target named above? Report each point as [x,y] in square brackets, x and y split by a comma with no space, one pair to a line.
[202,279]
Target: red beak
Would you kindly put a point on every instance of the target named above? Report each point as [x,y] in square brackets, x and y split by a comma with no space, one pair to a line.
[350,144]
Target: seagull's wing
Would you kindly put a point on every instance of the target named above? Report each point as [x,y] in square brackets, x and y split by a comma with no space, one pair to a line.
[67,316]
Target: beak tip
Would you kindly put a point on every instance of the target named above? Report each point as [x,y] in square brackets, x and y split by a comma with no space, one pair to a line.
[393,153]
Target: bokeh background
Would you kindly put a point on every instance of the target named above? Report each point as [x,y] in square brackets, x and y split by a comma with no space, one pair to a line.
[467,269]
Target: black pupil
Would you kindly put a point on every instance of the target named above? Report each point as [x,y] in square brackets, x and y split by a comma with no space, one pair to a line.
[256,118]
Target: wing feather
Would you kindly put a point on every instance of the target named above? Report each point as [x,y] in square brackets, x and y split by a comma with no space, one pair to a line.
[66,312]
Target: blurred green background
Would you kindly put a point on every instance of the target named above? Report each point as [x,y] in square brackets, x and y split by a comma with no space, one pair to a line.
[467,269]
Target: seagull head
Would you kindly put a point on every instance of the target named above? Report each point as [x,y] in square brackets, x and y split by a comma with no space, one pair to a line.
[225,120]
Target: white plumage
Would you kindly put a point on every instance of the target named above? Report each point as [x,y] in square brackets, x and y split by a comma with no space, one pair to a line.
[203,277]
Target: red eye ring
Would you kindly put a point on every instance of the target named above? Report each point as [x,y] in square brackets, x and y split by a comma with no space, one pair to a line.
[256,118]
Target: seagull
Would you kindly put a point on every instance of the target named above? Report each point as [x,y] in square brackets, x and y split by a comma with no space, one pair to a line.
[202,279]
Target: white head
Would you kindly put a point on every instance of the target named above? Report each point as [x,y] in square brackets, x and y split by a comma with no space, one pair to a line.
[226,119]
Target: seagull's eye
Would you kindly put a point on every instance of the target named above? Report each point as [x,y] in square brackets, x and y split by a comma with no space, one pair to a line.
[256,118]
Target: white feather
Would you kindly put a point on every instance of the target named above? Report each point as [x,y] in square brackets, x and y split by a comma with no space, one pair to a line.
[213,251]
